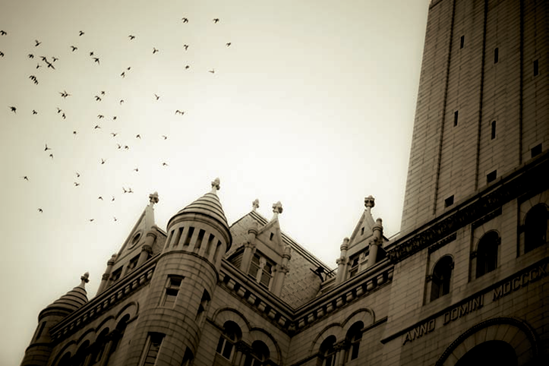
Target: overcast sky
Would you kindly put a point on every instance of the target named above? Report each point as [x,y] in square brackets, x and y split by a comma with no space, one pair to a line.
[312,104]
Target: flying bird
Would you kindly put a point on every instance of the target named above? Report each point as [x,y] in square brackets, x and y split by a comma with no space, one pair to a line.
[91,53]
[37,43]
[26,178]
[102,92]
[114,118]
[77,175]
[185,20]
[136,170]
[103,161]
[228,44]
[76,184]
[155,50]
[121,101]
[1,54]
[31,55]
[96,59]
[97,98]
[157,96]
[13,109]
[38,66]
[34,112]
[80,33]
[212,71]
[215,20]
[47,148]
[187,66]
[137,136]
[3,32]
[119,146]
[91,220]
[164,164]
[51,156]
[132,37]
[115,219]
[50,65]
[53,59]
[34,79]
[112,199]
[114,134]
[100,198]
[186,46]
[164,137]
[123,74]
[74,48]
[179,112]
[59,110]
[40,210]
[100,116]
[126,147]
[74,132]
[64,94]
[44,58]
[64,115]
[97,127]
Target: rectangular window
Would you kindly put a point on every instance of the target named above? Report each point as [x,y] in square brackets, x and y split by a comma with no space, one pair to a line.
[462,42]
[177,237]
[132,264]
[172,289]
[209,247]
[152,349]
[199,239]
[115,276]
[449,201]
[536,68]
[493,128]
[496,55]
[490,177]
[189,236]
[456,118]
[254,266]
[536,150]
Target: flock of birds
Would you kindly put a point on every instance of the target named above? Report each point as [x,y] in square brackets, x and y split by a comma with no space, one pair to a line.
[49,62]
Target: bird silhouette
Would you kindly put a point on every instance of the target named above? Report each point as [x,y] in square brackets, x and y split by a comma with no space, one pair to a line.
[74,132]
[126,147]
[115,219]
[30,55]
[157,96]
[102,92]
[96,59]
[37,43]
[155,50]
[121,101]
[97,127]
[124,189]
[76,184]
[40,210]
[91,220]
[100,116]
[59,110]
[34,79]
[77,175]
[3,33]
[64,94]
[114,134]
[1,54]
[119,146]
[26,178]
[112,200]
[74,48]
[44,58]
[51,156]
[103,161]
[185,20]
[187,66]
[164,164]
[53,59]
[228,44]
[179,112]
[136,169]
[97,98]
[138,136]
[64,115]
[100,198]
[50,65]
[215,20]
[123,74]
[34,112]
[164,137]
[114,118]
[80,33]
[212,71]
[13,109]
[130,190]
[47,148]
[38,66]
[186,46]
[91,53]
[132,37]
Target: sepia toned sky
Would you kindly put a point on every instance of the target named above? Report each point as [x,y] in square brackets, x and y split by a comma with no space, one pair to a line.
[312,104]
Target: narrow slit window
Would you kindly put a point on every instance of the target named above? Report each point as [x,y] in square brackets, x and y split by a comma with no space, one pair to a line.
[536,68]
[490,177]
[536,150]
[493,130]
[172,289]
[209,247]
[496,55]
[199,239]
[189,236]
[456,117]
[449,201]
[271,237]
[462,42]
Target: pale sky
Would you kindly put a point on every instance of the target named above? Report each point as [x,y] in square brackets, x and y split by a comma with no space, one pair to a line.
[312,104]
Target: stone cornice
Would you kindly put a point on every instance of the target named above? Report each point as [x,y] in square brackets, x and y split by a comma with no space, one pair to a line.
[509,187]
[106,300]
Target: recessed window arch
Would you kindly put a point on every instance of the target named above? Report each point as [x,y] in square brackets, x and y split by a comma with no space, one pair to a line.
[352,340]
[328,351]
[442,275]
[487,253]
[535,227]
[259,354]
[231,334]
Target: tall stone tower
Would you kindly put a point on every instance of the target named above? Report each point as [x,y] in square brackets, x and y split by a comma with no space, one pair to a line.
[183,284]
[483,101]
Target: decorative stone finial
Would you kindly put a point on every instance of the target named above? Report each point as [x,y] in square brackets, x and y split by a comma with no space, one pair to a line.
[255,204]
[277,207]
[369,202]
[216,185]
[85,279]
[153,198]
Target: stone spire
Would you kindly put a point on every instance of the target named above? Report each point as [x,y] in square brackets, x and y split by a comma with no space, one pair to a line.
[277,209]
[369,203]
[216,186]
[255,204]
[153,198]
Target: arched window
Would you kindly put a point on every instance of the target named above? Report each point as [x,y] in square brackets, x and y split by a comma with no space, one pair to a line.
[80,357]
[353,338]
[259,354]
[117,335]
[65,360]
[328,352]
[490,353]
[487,253]
[536,227]
[99,348]
[442,275]
[231,334]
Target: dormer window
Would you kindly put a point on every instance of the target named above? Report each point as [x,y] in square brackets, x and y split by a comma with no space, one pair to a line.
[261,269]
[354,268]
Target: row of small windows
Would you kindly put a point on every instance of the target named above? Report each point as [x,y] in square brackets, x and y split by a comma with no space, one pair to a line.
[486,255]
[535,63]
[330,352]
[257,355]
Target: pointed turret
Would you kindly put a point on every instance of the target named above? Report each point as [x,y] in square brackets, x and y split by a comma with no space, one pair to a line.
[40,347]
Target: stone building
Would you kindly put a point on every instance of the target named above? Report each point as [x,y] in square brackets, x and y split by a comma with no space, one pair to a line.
[465,283]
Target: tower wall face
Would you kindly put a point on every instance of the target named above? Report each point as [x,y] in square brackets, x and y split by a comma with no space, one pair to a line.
[482,101]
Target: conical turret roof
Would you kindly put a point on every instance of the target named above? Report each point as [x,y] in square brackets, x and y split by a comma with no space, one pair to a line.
[72,300]
[208,205]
